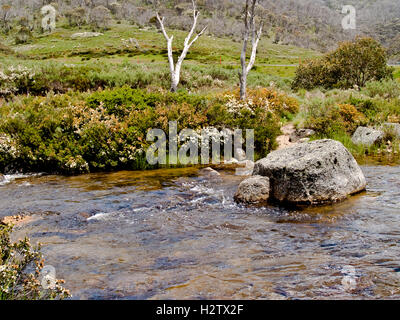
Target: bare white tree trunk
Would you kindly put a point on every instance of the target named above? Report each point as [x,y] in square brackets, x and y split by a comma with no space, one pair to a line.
[250,26]
[175,69]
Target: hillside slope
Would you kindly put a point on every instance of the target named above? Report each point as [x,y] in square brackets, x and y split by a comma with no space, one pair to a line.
[313,24]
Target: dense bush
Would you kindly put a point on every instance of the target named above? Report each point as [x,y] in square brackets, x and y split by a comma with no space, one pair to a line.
[352,64]
[106,130]
[16,282]
[13,79]
[62,134]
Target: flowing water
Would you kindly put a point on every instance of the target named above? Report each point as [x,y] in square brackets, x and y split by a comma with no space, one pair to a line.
[177,234]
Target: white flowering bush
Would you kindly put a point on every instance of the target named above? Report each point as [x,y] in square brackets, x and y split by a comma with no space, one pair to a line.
[235,105]
[8,147]
[15,79]
[77,164]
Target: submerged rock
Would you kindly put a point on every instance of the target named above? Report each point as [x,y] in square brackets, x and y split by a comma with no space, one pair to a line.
[367,136]
[317,172]
[231,161]
[255,189]
[247,170]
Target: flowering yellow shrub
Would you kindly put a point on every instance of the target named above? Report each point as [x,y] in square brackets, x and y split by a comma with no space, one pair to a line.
[351,117]
[269,99]
[185,114]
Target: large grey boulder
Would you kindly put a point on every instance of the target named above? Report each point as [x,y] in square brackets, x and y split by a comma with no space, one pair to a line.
[367,136]
[255,189]
[317,172]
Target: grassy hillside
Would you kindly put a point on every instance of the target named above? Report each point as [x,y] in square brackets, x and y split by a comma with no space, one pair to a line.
[114,49]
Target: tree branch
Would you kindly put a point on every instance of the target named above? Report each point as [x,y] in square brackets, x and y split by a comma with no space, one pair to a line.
[255,41]
[169,43]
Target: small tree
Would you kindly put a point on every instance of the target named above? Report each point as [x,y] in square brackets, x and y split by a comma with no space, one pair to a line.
[76,17]
[250,26]
[100,17]
[352,64]
[360,61]
[5,17]
[23,36]
[175,69]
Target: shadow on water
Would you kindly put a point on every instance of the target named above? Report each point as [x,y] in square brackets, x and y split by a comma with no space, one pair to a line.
[177,234]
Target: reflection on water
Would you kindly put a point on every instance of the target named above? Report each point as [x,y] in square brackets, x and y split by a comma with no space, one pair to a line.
[177,234]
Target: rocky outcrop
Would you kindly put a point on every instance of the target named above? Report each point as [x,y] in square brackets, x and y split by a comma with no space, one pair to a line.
[300,135]
[317,172]
[367,136]
[253,190]
[86,35]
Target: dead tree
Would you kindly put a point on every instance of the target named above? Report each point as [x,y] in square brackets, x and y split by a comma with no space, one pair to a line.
[175,69]
[250,26]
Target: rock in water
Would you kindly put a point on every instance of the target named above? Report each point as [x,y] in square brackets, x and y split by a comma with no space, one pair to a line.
[317,172]
[210,172]
[253,190]
[1,177]
[367,136]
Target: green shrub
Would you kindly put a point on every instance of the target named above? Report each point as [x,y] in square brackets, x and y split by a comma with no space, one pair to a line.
[327,117]
[76,133]
[367,107]
[352,64]
[388,89]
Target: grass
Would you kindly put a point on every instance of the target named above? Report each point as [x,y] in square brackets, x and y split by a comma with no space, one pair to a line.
[397,73]
[111,53]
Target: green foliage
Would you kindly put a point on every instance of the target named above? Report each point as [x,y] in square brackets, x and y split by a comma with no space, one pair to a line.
[366,106]
[23,35]
[352,64]
[106,130]
[335,114]
[76,17]
[16,282]
[388,89]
